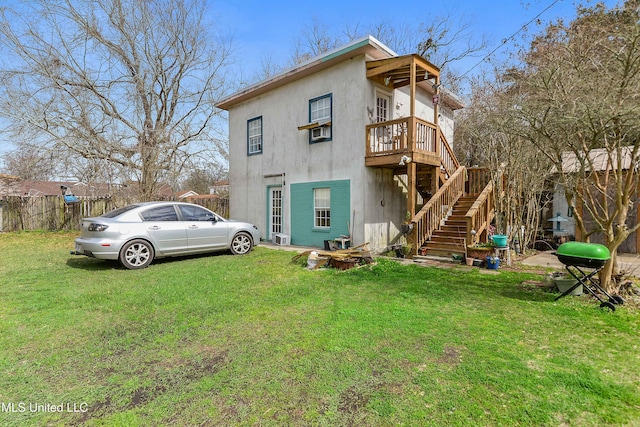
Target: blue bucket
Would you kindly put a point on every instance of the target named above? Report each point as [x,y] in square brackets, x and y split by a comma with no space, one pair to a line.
[493,262]
[500,240]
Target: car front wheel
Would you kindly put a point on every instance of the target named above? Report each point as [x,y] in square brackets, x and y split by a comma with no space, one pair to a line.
[136,254]
[241,244]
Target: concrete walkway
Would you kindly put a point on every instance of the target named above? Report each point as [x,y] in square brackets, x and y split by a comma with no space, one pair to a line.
[626,262]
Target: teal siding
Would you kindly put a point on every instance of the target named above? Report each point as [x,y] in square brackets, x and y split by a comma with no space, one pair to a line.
[302,230]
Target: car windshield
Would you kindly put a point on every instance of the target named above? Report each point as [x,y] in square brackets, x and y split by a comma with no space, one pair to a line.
[116,212]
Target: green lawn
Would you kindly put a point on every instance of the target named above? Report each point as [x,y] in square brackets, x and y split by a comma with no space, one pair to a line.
[257,340]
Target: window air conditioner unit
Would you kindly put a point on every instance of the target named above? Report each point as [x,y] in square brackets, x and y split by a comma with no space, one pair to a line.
[280,239]
[320,132]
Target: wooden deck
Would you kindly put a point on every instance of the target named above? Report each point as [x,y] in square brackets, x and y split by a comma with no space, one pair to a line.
[410,139]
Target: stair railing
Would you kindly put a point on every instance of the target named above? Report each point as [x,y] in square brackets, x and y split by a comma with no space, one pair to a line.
[428,219]
[480,214]
[448,159]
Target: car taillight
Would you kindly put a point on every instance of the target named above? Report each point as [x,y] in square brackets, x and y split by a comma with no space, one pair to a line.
[97,227]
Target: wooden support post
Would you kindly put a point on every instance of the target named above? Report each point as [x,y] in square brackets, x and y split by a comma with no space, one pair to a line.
[436,113]
[411,166]
[412,88]
[412,196]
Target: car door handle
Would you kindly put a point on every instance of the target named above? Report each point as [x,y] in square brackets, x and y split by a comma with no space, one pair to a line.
[154,227]
[193,227]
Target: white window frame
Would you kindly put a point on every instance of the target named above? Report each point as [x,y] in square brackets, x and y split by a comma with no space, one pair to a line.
[275,210]
[380,94]
[322,207]
[254,136]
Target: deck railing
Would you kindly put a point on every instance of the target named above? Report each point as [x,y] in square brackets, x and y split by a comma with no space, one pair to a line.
[390,137]
[413,135]
[478,180]
[409,134]
[428,219]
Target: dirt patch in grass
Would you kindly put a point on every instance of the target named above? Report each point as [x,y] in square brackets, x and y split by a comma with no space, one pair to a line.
[352,400]
[451,355]
[167,375]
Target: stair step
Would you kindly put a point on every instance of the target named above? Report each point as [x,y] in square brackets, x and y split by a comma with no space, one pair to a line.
[456,226]
[446,238]
[449,234]
[455,220]
[443,252]
[445,246]
[451,231]
[423,258]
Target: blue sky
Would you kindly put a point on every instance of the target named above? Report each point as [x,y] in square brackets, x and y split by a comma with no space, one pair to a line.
[260,29]
[271,28]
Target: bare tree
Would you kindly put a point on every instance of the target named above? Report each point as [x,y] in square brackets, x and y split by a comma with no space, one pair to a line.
[403,39]
[441,40]
[314,41]
[485,137]
[30,164]
[129,82]
[201,178]
[579,94]
[446,40]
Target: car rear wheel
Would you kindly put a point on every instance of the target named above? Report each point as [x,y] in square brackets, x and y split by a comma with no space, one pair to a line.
[136,254]
[241,244]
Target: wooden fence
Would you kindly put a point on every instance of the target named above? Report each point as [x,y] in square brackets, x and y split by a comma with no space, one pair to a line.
[52,213]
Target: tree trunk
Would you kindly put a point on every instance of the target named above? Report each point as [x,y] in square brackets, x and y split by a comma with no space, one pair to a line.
[606,273]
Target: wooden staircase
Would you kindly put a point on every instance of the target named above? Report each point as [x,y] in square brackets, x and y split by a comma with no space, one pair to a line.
[450,238]
[458,214]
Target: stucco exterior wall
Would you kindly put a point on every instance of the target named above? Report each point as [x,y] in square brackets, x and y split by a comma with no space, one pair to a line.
[377,198]
[287,155]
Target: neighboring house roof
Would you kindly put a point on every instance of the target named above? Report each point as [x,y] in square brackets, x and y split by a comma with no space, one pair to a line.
[204,197]
[186,193]
[53,188]
[219,187]
[599,158]
[368,45]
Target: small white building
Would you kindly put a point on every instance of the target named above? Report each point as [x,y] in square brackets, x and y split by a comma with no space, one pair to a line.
[350,143]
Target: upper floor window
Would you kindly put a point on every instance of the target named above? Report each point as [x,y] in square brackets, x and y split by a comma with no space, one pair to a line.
[320,112]
[383,101]
[254,136]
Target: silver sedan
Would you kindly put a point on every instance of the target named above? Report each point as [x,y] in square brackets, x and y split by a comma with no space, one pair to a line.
[137,234]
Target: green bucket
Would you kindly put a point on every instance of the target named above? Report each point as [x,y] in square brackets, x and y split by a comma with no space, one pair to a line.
[500,240]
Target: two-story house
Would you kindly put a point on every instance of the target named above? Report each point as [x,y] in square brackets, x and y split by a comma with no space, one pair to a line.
[353,143]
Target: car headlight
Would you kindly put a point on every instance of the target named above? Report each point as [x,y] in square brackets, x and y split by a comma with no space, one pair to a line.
[97,227]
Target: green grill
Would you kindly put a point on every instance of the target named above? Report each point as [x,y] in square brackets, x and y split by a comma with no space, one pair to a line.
[590,255]
[577,256]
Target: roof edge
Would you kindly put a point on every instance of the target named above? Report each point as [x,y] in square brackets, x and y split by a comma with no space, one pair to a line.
[333,54]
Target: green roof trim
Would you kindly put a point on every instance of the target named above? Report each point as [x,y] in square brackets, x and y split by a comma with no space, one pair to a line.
[347,49]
